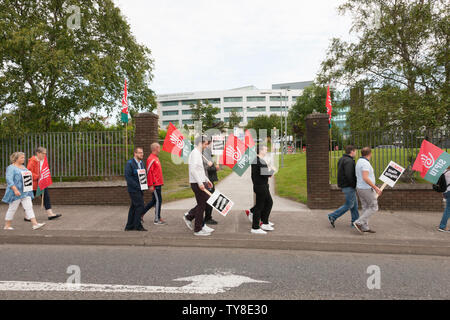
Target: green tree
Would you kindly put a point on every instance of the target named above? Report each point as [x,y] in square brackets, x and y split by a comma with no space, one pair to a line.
[400,58]
[52,69]
[312,100]
[234,119]
[265,122]
[206,113]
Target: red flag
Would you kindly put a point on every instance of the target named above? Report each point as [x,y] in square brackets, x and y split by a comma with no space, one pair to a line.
[174,141]
[249,139]
[233,151]
[45,178]
[328,105]
[124,115]
[431,161]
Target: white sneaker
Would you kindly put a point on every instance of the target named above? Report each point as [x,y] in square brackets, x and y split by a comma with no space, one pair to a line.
[202,233]
[9,228]
[267,227]
[207,229]
[258,231]
[38,226]
[250,216]
[271,224]
[188,223]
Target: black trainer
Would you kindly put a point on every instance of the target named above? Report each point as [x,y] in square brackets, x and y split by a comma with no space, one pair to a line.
[211,221]
[332,221]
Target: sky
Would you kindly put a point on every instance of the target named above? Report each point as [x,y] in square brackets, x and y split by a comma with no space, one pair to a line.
[201,45]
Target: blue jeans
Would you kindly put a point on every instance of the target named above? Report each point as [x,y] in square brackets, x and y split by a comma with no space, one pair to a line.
[351,203]
[446,214]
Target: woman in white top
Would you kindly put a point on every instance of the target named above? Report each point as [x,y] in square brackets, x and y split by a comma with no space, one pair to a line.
[15,193]
[443,226]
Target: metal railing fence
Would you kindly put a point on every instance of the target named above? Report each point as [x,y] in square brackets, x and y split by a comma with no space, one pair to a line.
[73,154]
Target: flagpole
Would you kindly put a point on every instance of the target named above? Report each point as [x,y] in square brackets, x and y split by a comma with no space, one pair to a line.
[126,140]
[42,200]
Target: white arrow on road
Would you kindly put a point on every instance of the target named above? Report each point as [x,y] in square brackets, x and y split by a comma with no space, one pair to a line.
[201,284]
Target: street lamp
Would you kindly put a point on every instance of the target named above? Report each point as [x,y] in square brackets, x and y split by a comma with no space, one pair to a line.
[281,121]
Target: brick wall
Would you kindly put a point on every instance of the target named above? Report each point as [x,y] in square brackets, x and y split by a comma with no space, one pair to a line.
[317,163]
[146,131]
[322,195]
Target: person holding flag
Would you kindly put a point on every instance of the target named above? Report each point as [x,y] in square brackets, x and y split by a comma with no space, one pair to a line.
[38,165]
[433,163]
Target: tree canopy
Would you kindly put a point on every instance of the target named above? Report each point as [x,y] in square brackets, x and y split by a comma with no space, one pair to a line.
[400,59]
[52,69]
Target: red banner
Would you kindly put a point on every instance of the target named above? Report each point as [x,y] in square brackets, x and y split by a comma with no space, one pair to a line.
[328,105]
[233,152]
[249,142]
[174,141]
[45,178]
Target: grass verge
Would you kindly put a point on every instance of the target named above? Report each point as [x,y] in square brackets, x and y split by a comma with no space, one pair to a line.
[290,181]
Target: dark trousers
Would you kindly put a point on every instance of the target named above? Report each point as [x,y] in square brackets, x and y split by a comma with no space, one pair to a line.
[136,211]
[47,203]
[209,209]
[263,205]
[157,202]
[197,212]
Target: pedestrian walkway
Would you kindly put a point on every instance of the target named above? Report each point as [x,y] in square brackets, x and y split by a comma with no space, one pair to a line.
[240,191]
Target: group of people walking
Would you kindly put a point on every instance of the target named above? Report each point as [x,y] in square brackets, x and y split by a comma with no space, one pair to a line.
[16,191]
[202,175]
[359,179]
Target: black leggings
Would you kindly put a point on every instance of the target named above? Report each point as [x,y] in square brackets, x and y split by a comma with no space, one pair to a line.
[263,205]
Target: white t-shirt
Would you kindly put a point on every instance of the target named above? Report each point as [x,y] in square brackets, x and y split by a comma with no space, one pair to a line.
[363,165]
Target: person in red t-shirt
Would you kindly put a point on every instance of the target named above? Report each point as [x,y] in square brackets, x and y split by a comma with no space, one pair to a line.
[155,182]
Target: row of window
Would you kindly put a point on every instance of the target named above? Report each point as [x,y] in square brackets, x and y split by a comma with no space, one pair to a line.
[226,109]
[190,121]
[226,99]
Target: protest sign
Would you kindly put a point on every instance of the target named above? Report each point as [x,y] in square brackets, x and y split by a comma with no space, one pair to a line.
[142,175]
[391,174]
[220,202]
[218,145]
[27,178]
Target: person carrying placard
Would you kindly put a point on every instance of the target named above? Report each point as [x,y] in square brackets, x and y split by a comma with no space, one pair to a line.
[263,204]
[443,225]
[199,182]
[211,171]
[135,188]
[155,182]
[347,182]
[367,190]
[19,191]
[35,166]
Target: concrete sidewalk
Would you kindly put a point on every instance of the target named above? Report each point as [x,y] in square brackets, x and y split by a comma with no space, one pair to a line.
[296,228]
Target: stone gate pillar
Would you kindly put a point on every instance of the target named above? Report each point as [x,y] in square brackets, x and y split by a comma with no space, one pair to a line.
[317,160]
[146,131]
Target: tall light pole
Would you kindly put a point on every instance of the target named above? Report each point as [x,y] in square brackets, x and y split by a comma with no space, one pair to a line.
[285,120]
[281,122]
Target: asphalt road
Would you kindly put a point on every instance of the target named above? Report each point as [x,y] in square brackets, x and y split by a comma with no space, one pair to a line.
[287,274]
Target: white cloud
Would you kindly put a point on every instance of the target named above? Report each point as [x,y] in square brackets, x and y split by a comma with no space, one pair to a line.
[216,44]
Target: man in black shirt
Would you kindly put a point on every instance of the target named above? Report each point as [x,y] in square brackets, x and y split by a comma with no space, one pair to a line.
[347,182]
[263,204]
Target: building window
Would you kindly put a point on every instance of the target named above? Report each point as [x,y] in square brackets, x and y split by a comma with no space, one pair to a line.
[250,118]
[227,119]
[254,99]
[170,113]
[256,109]
[277,98]
[166,123]
[229,109]
[212,101]
[188,121]
[187,112]
[276,109]
[169,103]
[232,99]
[188,102]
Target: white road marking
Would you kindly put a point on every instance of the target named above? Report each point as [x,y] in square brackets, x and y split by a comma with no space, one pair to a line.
[201,284]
